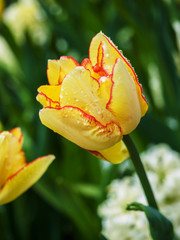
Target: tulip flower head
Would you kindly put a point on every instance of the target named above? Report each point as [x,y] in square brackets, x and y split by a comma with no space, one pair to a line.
[16,176]
[93,104]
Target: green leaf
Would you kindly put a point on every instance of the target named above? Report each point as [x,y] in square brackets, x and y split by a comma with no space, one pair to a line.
[67,202]
[160,227]
[87,190]
[103,237]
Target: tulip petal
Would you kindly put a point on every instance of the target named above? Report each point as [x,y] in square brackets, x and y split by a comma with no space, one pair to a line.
[3,152]
[18,134]
[142,100]
[88,65]
[24,178]
[49,96]
[124,101]
[80,128]
[67,65]
[108,50]
[16,137]
[115,154]
[110,53]
[80,90]
[97,69]
[53,72]
[105,88]
[14,158]
[57,69]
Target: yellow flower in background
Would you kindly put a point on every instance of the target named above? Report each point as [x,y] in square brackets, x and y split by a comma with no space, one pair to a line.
[93,104]
[1,8]
[16,176]
[27,16]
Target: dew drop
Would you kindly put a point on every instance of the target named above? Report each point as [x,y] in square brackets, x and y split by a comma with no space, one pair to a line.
[77,121]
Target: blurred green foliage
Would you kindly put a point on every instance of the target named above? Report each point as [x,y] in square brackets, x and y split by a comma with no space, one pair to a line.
[63,204]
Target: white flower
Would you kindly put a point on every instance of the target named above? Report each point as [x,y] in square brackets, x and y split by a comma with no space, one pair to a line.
[163,168]
[161,158]
[118,223]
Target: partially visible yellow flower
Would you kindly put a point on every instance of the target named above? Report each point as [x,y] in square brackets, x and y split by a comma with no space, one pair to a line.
[93,104]
[16,176]
[1,8]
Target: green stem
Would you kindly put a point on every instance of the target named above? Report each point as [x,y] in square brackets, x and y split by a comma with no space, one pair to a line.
[140,171]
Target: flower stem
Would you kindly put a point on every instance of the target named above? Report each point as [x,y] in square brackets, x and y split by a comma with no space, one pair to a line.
[140,171]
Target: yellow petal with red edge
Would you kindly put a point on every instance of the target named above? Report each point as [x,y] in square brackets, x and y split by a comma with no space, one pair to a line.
[18,134]
[14,158]
[142,100]
[102,45]
[115,154]
[105,88]
[80,128]
[24,179]
[67,65]
[58,69]
[80,90]
[3,153]
[53,72]
[124,101]
[49,96]
[88,65]
[108,51]
[15,138]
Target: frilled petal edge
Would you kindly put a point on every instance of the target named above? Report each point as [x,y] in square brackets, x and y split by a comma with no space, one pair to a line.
[110,54]
[80,127]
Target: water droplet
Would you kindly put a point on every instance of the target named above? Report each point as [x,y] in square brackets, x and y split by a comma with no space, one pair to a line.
[77,121]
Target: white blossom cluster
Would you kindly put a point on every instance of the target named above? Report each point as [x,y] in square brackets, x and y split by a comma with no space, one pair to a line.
[162,166]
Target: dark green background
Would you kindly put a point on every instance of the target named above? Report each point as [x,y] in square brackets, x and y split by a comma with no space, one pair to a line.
[63,204]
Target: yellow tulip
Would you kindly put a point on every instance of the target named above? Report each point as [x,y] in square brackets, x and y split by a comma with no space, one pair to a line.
[93,104]
[16,176]
[1,8]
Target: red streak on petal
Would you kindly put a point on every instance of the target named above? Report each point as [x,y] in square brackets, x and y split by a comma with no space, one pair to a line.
[20,137]
[100,58]
[94,79]
[96,68]
[103,128]
[100,70]
[86,115]
[16,173]
[57,104]
[26,165]
[135,76]
[85,62]
[111,92]
[100,54]
[110,98]
[96,153]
